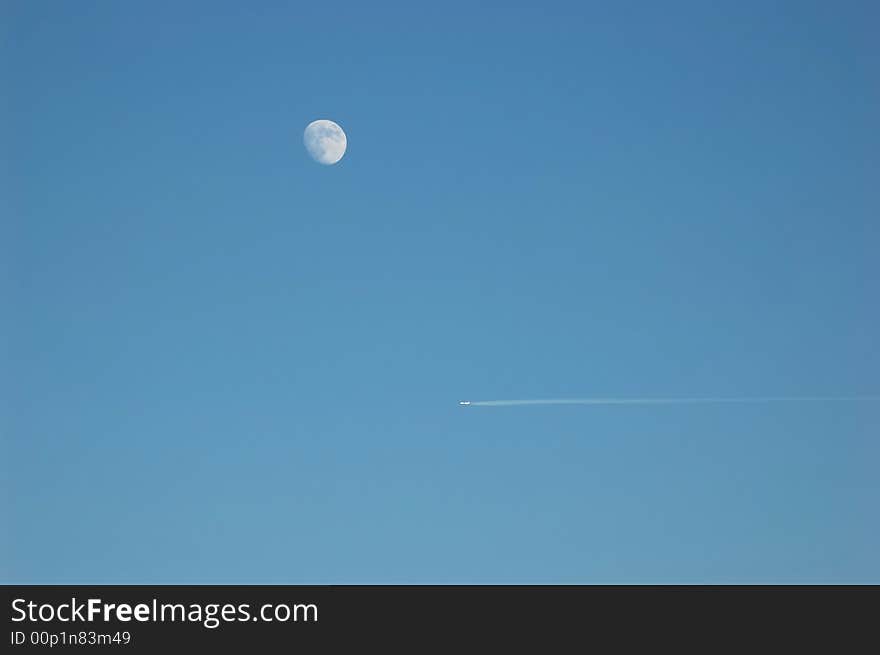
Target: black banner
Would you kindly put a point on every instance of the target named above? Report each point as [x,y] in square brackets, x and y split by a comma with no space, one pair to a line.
[193,618]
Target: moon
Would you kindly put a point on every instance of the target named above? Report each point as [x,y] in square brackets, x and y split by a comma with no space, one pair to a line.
[325,141]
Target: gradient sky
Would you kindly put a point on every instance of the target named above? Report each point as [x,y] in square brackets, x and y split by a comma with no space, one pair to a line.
[225,363]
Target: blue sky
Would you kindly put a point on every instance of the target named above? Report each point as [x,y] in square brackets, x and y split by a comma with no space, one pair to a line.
[225,363]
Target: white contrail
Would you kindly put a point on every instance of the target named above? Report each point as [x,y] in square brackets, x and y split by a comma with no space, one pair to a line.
[662,401]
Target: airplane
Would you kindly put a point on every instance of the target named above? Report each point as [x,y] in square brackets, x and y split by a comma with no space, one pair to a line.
[464,402]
